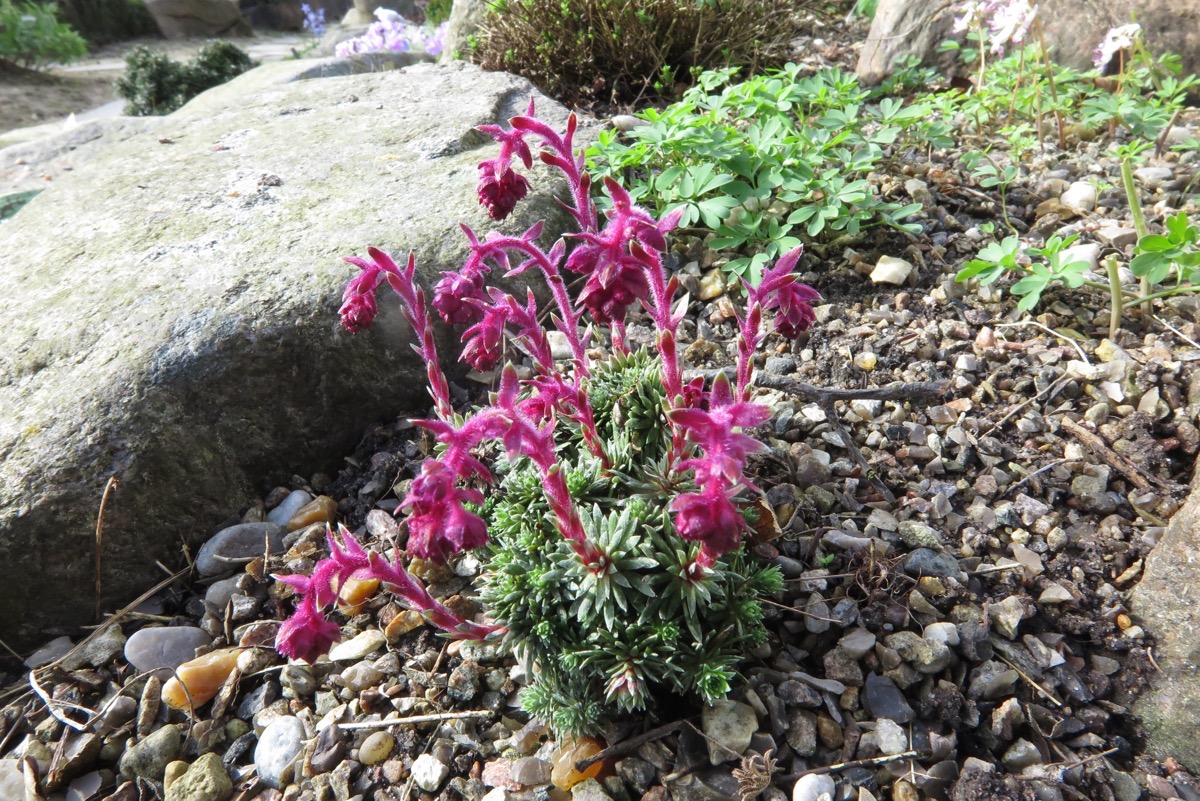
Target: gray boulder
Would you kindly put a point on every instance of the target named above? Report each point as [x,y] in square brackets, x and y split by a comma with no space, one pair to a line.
[178,19]
[466,20]
[1164,604]
[171,312]
[1073,29]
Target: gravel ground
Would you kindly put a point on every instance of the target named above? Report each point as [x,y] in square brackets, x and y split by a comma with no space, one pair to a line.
[952,625]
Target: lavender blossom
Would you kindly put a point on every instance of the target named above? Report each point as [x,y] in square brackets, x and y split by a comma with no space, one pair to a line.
[314,19]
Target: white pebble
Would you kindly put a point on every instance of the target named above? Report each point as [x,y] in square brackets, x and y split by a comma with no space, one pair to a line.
[814,787]
[1080,195]
[428,772]
[890,270]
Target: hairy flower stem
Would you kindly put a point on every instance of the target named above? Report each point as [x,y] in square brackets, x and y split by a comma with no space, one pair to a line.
[567,322]
[561,155]
[413,299]
[1062,136]
[566,516]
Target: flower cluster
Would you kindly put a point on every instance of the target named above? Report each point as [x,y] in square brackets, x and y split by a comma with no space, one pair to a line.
[391,31]
[1007,21]
[314,19]
[1116,40]
[621,256]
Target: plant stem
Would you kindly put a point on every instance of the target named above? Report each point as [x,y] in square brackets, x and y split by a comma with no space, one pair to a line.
[1062,138]
[1139,225]
[1118,299]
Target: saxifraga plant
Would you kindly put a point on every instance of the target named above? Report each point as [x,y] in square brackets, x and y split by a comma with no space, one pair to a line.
[612,542]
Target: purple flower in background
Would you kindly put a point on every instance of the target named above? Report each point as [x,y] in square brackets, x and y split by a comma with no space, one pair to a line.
[314,19]
[391,31]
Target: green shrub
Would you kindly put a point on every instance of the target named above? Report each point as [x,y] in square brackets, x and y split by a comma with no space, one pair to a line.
[437,11]
[105,21]
[32,36]
[153,84]
[620,49]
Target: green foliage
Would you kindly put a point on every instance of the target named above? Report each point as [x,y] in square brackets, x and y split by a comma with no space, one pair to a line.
[32,36]
[1178,248]
[767,162]
[437,11]
[623,49]
[999,258]
[154,84]
[105,21]
[605,641]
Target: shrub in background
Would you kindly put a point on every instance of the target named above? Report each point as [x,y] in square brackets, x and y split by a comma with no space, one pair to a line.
[619,49]
[437,11]
[102,22]
[31,36]
[153,84]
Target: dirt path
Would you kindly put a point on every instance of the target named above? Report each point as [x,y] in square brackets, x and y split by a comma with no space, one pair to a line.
[35,98]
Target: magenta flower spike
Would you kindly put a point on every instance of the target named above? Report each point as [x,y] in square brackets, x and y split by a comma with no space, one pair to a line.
[307,634]
[725,450]
[710,517]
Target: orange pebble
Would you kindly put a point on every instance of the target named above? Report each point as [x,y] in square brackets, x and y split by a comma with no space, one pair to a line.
[403,623]
[1123,621]
[319,510]
[203,678]
[355,594]
[563,773]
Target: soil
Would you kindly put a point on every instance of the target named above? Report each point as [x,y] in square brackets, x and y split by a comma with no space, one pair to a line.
[35,97]
[992,464]
[30,97]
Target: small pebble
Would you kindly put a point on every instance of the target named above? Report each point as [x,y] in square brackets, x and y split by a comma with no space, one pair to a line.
[164,647]
[198,681]
[376,748]
[231,548]
[814,787]
[278,748]
[288,507]
[428,772]
[728,727]
[366,642]
[149,758]
[205,780]
[890,270]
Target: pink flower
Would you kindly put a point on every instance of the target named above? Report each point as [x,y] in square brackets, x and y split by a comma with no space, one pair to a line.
[725,451]
[609,290]
[439,525]
[358,300]
[710,517]
[485,339]
[500,187]
[306,635]
[781,291]
[453,294]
